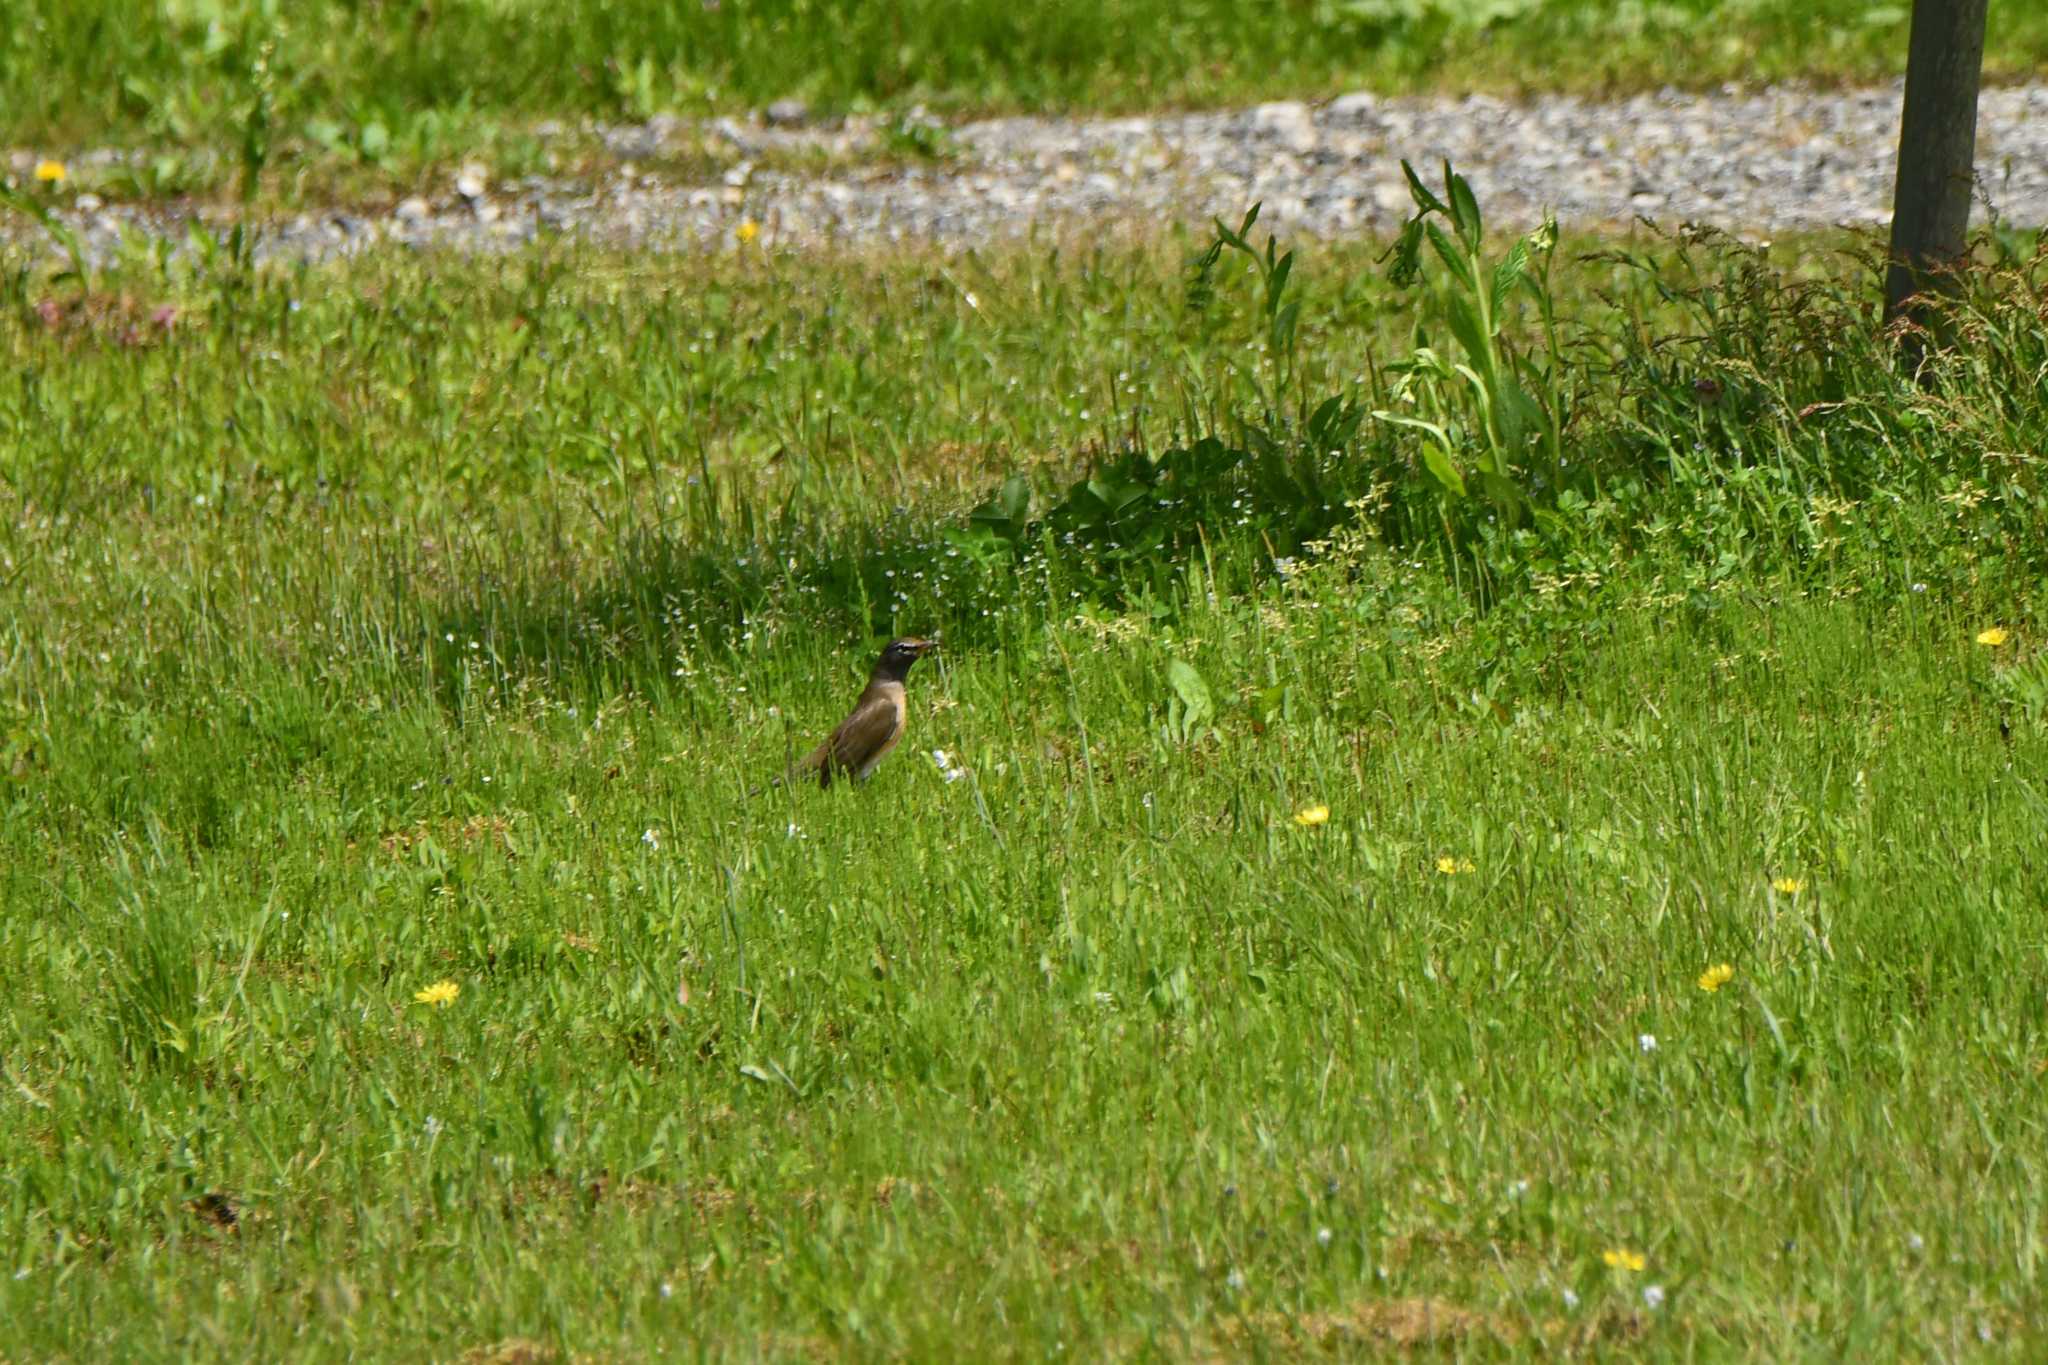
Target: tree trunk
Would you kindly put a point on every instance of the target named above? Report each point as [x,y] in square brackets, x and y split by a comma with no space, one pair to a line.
[1937,155]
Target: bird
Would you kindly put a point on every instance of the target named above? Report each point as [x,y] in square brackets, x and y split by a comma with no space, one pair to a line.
[871,729]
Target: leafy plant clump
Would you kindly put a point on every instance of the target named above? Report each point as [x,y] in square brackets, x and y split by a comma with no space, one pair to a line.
[1763,428]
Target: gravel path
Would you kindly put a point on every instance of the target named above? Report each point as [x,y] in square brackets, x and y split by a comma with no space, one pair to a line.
[1758,162]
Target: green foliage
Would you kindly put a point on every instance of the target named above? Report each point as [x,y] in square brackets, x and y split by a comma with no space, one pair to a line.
[1130,521]
[1493,422]
[1125,525]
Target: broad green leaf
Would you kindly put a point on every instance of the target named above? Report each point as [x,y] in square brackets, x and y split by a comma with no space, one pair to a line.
[1479,385]
[1276,284]
[1424,200]
[1009,508]
[1463,321]
[1241,238]
[1424,359]
[1464,208]
[1442,436]
[1454,260]
[1194,696]
[1283,328]
[1438,462]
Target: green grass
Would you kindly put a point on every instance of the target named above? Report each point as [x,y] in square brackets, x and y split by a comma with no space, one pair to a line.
[389,90]
[393,622]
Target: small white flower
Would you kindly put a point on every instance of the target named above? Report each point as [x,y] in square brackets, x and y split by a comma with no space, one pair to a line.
[1323,1236]
[652,838]
[433,1127]
[1571,1300]
[667,1290]
[795,831]
[1235,1279]
[1915,1243]
[1919,587]
[1646,1042]
[1518,1189]
[1653,1296]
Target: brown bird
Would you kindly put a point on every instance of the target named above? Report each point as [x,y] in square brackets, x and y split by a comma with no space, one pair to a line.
[872,728]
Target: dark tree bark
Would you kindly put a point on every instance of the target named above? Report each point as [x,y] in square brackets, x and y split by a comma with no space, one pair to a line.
[1937,153]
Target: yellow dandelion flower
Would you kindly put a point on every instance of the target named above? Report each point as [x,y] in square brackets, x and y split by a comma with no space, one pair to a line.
[441,993]
[1310,816]
[1994,637]
[747,231]
[52,172]
[1788,886]
[1716,976]
[1451,867]
[1621,1258]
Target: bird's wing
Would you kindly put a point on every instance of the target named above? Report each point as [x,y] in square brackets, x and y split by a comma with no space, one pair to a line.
[869,731]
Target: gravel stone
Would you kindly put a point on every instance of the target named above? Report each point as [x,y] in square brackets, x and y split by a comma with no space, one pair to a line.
[1289,124]
[1351,108]
[1750,161]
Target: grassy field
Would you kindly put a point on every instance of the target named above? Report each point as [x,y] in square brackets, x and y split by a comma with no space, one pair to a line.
[344,93]
[401,623]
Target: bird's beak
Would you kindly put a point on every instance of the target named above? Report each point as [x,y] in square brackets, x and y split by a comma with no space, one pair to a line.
[925,647]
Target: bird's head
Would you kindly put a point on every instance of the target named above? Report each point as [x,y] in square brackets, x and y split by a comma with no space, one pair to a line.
[899,655]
